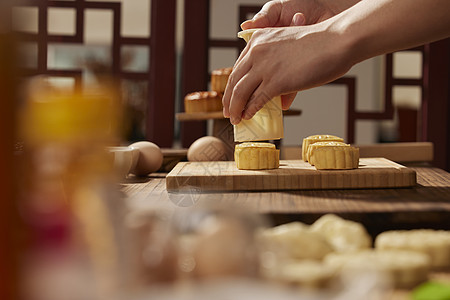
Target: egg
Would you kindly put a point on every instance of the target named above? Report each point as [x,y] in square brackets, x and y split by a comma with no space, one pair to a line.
[150,158]
[208,148]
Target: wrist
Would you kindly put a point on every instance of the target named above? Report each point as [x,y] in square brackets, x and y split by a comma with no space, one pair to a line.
[360,37]
[347,41]
[338,6]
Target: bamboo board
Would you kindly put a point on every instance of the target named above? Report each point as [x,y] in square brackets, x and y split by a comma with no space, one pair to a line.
[291,175]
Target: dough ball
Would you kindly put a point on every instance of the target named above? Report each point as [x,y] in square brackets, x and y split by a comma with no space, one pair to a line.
[434,243]
[208,148]
[295,241]
[150,158]
[307,273]
[404,269]
[343,235]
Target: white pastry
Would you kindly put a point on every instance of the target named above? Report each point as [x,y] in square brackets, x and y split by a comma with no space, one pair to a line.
[404,269]
[434,243]
[295,241]
[343,235]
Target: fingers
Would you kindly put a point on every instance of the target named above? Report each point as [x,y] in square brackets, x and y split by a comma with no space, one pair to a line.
[268,16]
[241,94]
[240,69]
[257,100]
[286,100]
[298,20]
[241,56]
[249,24]
[244,94]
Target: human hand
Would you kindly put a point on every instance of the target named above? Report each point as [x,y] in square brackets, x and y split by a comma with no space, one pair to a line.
[326,50]
[282,13]
[288,13]
[281,61]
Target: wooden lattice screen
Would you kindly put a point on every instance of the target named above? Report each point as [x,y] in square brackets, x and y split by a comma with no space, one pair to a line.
[159,76]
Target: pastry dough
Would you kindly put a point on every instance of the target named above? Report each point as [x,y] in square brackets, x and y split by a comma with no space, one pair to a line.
[295,241]
[405,269]
[219,79]
[313,147]
[203,102]
[333,155]
[434,243]
[343,235]
[305,273]
[256,156]
[317,138]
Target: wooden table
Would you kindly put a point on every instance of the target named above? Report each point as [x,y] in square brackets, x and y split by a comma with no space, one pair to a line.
[426,205]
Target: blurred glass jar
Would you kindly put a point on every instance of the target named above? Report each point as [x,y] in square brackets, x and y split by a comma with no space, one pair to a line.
[69,198]
[218,244]
[189,246]
[153,254]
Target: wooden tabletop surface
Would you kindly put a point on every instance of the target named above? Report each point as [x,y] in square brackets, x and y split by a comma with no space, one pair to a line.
[427,202]
[427,205]
[432,193]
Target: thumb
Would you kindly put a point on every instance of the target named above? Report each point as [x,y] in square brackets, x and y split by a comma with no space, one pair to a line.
[298,20]
[260,20]
[268,16]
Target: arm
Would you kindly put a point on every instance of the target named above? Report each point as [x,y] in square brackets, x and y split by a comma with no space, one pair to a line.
[378,27]
[279,61]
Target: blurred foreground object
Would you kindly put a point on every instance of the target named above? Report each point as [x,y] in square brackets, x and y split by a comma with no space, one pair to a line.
[206,252]
[9,220]
[431,291]
[70,200]
[124,159]
[434,243]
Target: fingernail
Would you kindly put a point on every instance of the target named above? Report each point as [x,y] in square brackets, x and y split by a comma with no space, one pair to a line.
[243,24]
[298,19]
[225,115]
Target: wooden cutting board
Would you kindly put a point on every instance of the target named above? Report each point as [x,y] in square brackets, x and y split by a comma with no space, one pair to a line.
[292,175]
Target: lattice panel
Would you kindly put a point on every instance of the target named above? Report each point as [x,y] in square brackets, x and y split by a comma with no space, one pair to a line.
[79,39]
